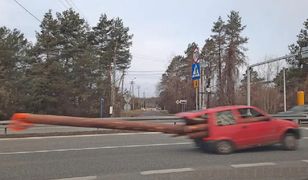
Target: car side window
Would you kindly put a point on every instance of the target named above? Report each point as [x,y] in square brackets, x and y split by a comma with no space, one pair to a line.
[224,118]
[249,113]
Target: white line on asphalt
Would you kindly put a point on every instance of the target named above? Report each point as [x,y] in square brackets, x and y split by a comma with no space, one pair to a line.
[79,178]
[253,165]
[306,161]
[305,137]
[94,148]
[78,136]
[165,171]
[305,128]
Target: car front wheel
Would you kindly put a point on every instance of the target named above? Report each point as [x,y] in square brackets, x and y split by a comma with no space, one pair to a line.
[224,147]
[290,142]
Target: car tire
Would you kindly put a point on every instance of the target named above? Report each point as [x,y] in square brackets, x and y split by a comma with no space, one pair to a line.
[198,142]
[202,145]
[290,142]
[224,147]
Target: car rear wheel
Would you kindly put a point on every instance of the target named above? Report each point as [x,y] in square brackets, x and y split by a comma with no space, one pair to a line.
[224,147]
[290,142]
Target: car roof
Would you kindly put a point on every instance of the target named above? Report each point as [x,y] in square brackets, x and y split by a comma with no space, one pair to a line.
[225,108]
[212,110]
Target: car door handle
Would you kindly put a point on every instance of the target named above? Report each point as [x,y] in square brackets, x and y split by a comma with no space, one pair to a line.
[244,127]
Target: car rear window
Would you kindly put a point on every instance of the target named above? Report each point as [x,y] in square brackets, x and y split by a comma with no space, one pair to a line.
[224,118]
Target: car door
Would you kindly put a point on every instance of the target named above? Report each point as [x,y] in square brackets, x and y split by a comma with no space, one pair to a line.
[256,127]
[225,126]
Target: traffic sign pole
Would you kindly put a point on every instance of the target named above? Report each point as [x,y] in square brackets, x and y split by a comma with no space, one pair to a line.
[196,98]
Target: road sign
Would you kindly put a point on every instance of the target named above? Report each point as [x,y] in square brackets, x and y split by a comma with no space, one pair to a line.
[127,98]
[127,107]
[196,55]
[195,71]
[182,101]
[195,84]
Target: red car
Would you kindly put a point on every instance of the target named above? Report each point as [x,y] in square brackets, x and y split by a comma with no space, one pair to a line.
[238,127]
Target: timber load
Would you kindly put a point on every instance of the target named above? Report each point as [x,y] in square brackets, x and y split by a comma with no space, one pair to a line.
[22,121]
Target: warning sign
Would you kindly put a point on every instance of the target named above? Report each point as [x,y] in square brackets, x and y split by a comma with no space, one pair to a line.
[196,83]
[195,74]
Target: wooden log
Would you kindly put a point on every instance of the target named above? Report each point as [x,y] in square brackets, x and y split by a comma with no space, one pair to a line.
[195,128]
[22,121]
[199,134]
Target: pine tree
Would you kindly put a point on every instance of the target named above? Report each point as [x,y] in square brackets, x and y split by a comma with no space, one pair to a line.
[14,48]
[234,56]
[219,42]
[112,43]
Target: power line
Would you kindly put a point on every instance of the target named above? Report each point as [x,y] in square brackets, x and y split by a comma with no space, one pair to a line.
[63,3]
[74,5]
[28,11]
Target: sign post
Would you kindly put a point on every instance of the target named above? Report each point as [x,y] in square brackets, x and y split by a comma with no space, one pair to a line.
[195,76]
[183,103]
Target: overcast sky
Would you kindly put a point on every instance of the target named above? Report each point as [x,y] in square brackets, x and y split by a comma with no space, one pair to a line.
[164,28]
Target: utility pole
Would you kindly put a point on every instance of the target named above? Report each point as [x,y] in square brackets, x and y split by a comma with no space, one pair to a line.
[132,93]
[144,99]
[138,100]
[284,91]
[249,69]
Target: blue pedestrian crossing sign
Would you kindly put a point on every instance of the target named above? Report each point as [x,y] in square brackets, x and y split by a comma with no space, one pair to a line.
[195,71]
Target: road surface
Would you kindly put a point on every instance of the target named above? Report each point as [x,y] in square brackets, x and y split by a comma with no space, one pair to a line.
[142,156]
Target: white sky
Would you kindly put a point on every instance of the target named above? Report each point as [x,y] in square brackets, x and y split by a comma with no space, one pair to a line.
[163,28]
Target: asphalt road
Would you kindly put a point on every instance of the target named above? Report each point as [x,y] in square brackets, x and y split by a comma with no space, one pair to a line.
[142,156]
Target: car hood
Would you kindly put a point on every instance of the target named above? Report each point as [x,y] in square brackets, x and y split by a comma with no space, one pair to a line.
[288,123]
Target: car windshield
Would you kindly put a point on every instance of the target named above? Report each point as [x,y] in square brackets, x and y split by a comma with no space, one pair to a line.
[153,89]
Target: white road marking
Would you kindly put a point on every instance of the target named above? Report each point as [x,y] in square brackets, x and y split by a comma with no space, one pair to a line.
[304,137]
[94,148]
[78,136]
[79,178]
[306,161]
[253,165]
[305,128]
[165,171]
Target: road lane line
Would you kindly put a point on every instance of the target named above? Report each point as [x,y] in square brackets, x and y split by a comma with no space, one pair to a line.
[253,165]
[94,148]
[306,161]
[305,128]
[305,138]
[78,136]
[166,171]
[79,178]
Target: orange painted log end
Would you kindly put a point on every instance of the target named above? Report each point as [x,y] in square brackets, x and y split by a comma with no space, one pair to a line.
[19,122]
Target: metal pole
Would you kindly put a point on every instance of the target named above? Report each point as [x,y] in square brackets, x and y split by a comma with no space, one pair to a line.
[284,90]
[196,98]
[101,107]
[133,95]
[200,90]
[248,86]
[204,89]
